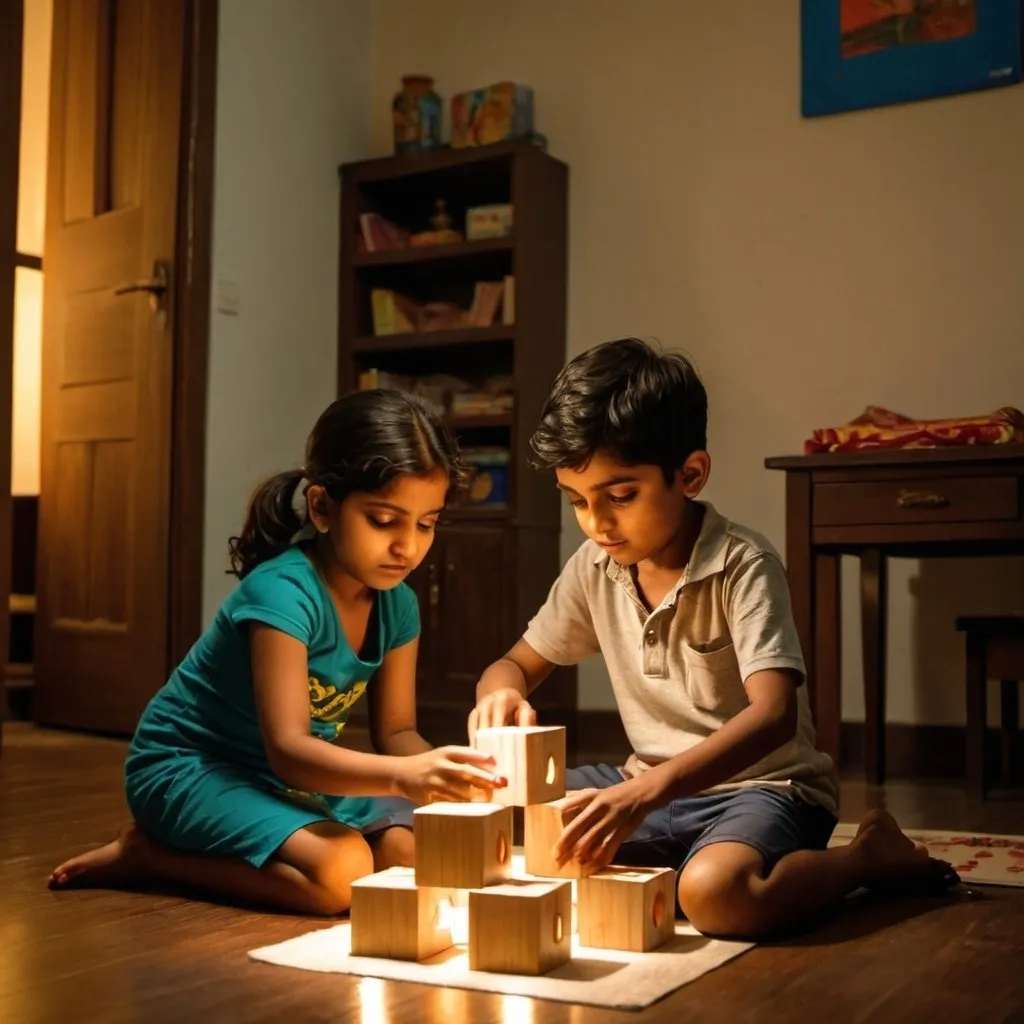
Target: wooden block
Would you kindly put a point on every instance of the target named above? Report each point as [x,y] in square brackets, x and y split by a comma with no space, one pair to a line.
[392,917]
[462,846]
[627,908]
[520,927]
[531,757]
[542,825]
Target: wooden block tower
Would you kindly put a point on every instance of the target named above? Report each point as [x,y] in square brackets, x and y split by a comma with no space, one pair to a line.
[531,757]
[542,825]
[520,926]
[627,908]
[462,846]
[394,918]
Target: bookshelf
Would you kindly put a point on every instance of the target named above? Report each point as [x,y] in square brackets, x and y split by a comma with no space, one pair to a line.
[491,564]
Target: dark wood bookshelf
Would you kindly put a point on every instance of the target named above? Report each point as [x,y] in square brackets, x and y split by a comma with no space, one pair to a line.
[503,419]
[490,567]
[368,344]
[482,513]
[432,253]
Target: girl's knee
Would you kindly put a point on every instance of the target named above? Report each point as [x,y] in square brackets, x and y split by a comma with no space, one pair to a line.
[343,860]
[392,848]
[720,898]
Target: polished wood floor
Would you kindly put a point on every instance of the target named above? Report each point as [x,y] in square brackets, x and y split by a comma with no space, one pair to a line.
[111,957]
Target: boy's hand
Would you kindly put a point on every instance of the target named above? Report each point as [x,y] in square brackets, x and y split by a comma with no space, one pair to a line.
[605,819]
[502,707]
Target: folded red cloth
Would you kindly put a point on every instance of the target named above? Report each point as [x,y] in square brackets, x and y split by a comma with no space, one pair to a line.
[878,428]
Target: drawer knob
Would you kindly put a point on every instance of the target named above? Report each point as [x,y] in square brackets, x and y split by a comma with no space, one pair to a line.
[921,499]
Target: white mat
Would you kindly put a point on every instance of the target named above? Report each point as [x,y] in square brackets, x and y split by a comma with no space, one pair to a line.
[594,977]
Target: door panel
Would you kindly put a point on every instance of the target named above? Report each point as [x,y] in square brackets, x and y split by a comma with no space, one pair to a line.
[102,628]
[473,626]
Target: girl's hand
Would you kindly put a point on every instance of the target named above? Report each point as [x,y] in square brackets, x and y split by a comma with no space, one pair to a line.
[502,707]
[448,773]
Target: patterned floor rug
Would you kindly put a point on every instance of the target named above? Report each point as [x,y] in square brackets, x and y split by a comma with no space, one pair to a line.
[978,858]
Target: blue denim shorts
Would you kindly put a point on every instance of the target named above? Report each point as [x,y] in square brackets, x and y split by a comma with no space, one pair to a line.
[770,819]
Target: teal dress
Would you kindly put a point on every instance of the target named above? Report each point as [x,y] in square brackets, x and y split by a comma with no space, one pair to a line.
[197,776]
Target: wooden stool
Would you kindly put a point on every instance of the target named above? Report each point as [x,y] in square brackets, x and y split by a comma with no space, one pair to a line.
[995,650]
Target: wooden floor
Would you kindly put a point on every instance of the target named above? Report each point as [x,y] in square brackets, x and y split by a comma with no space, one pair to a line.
[102,956]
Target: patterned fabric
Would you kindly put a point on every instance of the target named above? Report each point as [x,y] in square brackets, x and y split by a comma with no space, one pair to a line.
[879,429]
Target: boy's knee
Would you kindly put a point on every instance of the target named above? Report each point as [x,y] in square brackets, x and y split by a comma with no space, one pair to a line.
[345,858]
[720,898]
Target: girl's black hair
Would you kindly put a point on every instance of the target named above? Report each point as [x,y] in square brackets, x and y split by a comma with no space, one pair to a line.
[361,442]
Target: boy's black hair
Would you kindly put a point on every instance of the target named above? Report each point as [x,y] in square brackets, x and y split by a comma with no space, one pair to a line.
[629,400]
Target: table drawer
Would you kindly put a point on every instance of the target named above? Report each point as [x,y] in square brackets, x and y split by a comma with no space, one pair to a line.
[938,500]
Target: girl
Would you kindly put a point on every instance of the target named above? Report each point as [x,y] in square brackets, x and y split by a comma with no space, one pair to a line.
[229,779]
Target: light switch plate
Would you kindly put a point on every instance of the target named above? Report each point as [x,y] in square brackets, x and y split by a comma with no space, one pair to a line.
[226,299]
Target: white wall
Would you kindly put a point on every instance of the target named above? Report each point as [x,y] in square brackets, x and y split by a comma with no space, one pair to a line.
[811,267]
[292,103]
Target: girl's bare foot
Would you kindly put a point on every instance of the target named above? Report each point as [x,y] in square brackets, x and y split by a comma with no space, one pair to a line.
[894,862]
[120,863]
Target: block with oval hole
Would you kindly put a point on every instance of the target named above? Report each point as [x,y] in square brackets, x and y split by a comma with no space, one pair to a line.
[394,918]
[520,927]
[531,757]
[543,825]
[632,909]
[462,846]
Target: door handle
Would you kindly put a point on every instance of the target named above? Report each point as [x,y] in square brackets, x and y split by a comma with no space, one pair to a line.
[156,287]
[921,499]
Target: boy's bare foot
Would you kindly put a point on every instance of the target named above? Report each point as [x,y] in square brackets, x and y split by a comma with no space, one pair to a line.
[895,862]
[119,863]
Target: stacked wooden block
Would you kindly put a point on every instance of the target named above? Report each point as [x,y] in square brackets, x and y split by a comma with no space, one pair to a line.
[516,925]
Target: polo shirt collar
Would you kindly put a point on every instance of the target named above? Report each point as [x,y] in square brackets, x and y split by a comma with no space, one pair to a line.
[706,559]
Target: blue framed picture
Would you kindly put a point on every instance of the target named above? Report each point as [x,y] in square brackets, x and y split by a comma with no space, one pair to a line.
[870,53]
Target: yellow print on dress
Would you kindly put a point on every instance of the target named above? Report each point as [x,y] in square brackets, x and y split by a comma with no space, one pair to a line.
[327,704]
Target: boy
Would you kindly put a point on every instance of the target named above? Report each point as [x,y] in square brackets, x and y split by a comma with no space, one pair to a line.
[691,613]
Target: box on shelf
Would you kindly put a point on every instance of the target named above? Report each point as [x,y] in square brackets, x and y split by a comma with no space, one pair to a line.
[492,114]
[489,486]
[494,221]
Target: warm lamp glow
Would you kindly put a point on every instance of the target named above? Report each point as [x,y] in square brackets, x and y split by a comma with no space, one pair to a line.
[28,337]
[35,122]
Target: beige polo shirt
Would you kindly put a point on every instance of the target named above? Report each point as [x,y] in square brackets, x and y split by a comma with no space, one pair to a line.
[678,671]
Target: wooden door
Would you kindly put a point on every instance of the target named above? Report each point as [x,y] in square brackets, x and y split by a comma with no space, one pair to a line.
[115,119]
[473,616]
[10,122]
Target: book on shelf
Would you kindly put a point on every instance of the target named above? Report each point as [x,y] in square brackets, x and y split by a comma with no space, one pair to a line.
[508,302]
[394,313]
[378,234]
[474,403]
[373,378]
[440,316]
[449,395]
[486,300]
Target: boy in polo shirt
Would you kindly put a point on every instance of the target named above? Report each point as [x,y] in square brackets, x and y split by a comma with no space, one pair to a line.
[692,615]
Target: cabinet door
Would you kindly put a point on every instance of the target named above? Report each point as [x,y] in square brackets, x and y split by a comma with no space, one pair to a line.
[425,582]
[473,624]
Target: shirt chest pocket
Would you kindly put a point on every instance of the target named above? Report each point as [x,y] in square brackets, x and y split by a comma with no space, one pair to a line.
[713,681]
